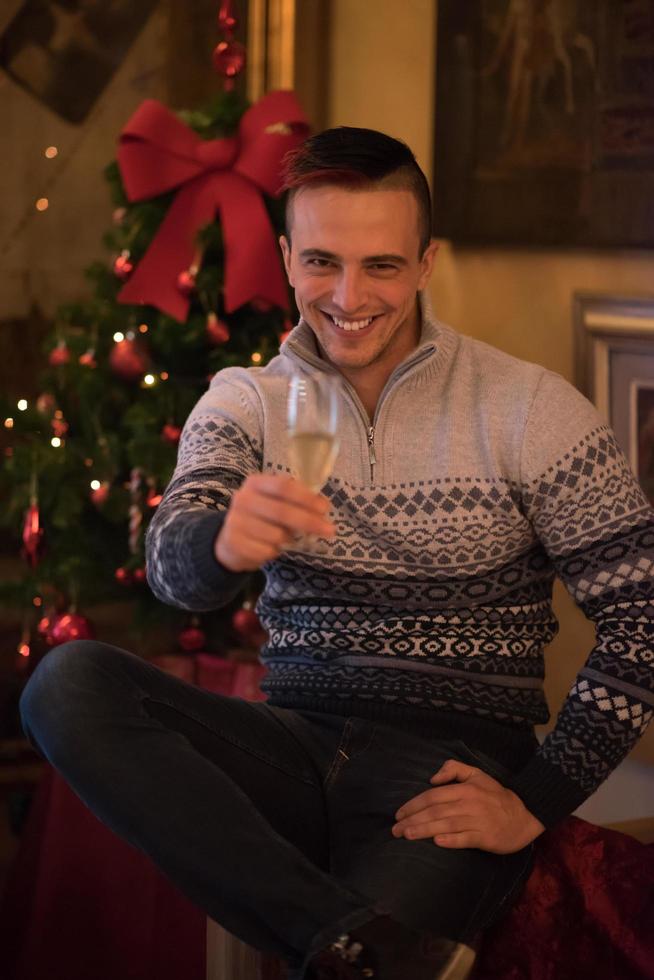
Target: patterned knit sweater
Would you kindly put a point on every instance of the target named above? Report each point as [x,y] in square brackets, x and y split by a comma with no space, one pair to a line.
[480,479]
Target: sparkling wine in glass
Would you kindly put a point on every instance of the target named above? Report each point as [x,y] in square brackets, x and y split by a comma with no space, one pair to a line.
[312,430]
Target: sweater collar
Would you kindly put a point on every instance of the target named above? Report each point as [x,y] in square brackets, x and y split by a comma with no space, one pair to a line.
[301,342]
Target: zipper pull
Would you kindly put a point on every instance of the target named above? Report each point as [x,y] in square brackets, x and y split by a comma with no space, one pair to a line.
[371,445]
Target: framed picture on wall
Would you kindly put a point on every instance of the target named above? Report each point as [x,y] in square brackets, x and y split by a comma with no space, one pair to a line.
[544,128]
[614,355]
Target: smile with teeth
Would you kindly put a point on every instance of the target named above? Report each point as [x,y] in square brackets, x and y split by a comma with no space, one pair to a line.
[351,325]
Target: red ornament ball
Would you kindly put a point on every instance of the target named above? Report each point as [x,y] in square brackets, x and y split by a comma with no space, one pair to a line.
[45,624]
[139,575]
[129,359]
[100,494]
[123,576]
[123,268]
[217,330]
[70,626]
[229,58]
[59,427]
[60,355]
[191,638]
[88,359]
[171,433]
[227,20]
[186,281]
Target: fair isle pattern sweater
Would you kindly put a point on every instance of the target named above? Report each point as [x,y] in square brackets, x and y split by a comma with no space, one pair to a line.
[481,478]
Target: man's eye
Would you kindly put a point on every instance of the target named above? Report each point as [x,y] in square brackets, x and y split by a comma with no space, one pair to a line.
[383,267]
[319,263]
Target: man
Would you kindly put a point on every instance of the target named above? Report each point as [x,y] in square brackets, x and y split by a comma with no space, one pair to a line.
[378,812]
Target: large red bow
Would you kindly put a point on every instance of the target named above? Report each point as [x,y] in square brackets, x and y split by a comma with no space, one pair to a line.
[158,152]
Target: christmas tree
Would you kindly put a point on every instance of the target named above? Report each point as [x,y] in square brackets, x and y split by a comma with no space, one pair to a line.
[194,284]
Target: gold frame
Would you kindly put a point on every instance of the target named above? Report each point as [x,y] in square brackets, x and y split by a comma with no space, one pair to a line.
[271,46]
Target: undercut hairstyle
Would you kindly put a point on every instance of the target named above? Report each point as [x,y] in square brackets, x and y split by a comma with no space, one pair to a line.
[360,159]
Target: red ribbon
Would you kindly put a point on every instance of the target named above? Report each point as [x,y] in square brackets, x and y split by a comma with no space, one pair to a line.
[157,153]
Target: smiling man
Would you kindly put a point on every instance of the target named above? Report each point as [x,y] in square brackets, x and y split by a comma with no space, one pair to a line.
[378,812]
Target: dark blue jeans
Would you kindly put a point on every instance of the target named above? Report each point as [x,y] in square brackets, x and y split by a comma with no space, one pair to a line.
[275,822]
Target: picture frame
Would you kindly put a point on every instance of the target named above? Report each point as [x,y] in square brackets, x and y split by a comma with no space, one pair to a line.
[614,368]
[544,121]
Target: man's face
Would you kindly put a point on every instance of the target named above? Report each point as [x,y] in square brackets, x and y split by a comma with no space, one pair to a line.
[354,263]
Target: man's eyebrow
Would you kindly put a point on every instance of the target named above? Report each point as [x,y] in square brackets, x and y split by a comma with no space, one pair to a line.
[319,253]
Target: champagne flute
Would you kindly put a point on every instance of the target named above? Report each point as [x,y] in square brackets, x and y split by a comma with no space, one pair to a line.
[312,416]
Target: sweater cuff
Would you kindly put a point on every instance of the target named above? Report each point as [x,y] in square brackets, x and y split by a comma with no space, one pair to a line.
[212,573]
[546,791]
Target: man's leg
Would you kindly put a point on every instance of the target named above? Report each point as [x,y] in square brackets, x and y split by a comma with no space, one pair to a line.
[215,790]
[450,893]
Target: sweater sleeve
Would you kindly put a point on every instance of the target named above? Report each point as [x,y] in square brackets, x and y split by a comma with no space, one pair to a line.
[597,527]
[220,446]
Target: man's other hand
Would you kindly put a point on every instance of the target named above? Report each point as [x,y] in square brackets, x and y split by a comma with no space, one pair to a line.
[468,808]
[264,516]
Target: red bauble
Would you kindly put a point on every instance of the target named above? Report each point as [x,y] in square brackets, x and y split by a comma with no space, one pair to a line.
[129,359]
[45,624]
[171,433]
[123,576]
[229,59]
[191,639]
[186,281]
[59,427]
[46,403]
[88,359]
[217,330]
[153,499]
[60,355]
[32,535]
[139,575]
[123,268]
[100,494]
[70,626]
[248,625]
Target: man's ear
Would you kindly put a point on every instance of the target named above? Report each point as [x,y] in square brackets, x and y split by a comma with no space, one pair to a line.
[427,263]
[286,254]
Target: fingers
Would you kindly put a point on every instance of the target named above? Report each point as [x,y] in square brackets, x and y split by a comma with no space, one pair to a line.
[461,822]
[263,517]
[453,769]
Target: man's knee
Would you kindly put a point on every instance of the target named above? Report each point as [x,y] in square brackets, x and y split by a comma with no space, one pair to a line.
[58,683]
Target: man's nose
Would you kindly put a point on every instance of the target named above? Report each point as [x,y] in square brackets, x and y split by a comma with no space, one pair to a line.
[350,293]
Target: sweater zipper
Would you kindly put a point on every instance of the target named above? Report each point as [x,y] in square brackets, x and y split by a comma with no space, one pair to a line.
[371,452]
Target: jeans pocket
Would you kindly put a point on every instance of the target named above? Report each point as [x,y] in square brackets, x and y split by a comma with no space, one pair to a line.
[482,761]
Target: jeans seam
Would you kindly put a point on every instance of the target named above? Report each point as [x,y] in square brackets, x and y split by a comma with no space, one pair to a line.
[227,737]
[339,755]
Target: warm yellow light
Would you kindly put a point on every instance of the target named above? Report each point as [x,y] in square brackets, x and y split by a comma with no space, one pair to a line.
[256,357]
[37,601]
[143,328]
[9,423]
[55,441]
[119,336]
[149,379]
[95,484]
[42,204]
[22,404]
[59,414]
[51,152]
[88,462]
[164,376]
[24,649]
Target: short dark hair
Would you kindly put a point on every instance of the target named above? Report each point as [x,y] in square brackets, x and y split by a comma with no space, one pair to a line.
[358,158]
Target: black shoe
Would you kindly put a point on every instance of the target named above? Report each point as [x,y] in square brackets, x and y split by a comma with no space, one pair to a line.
[385,949]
